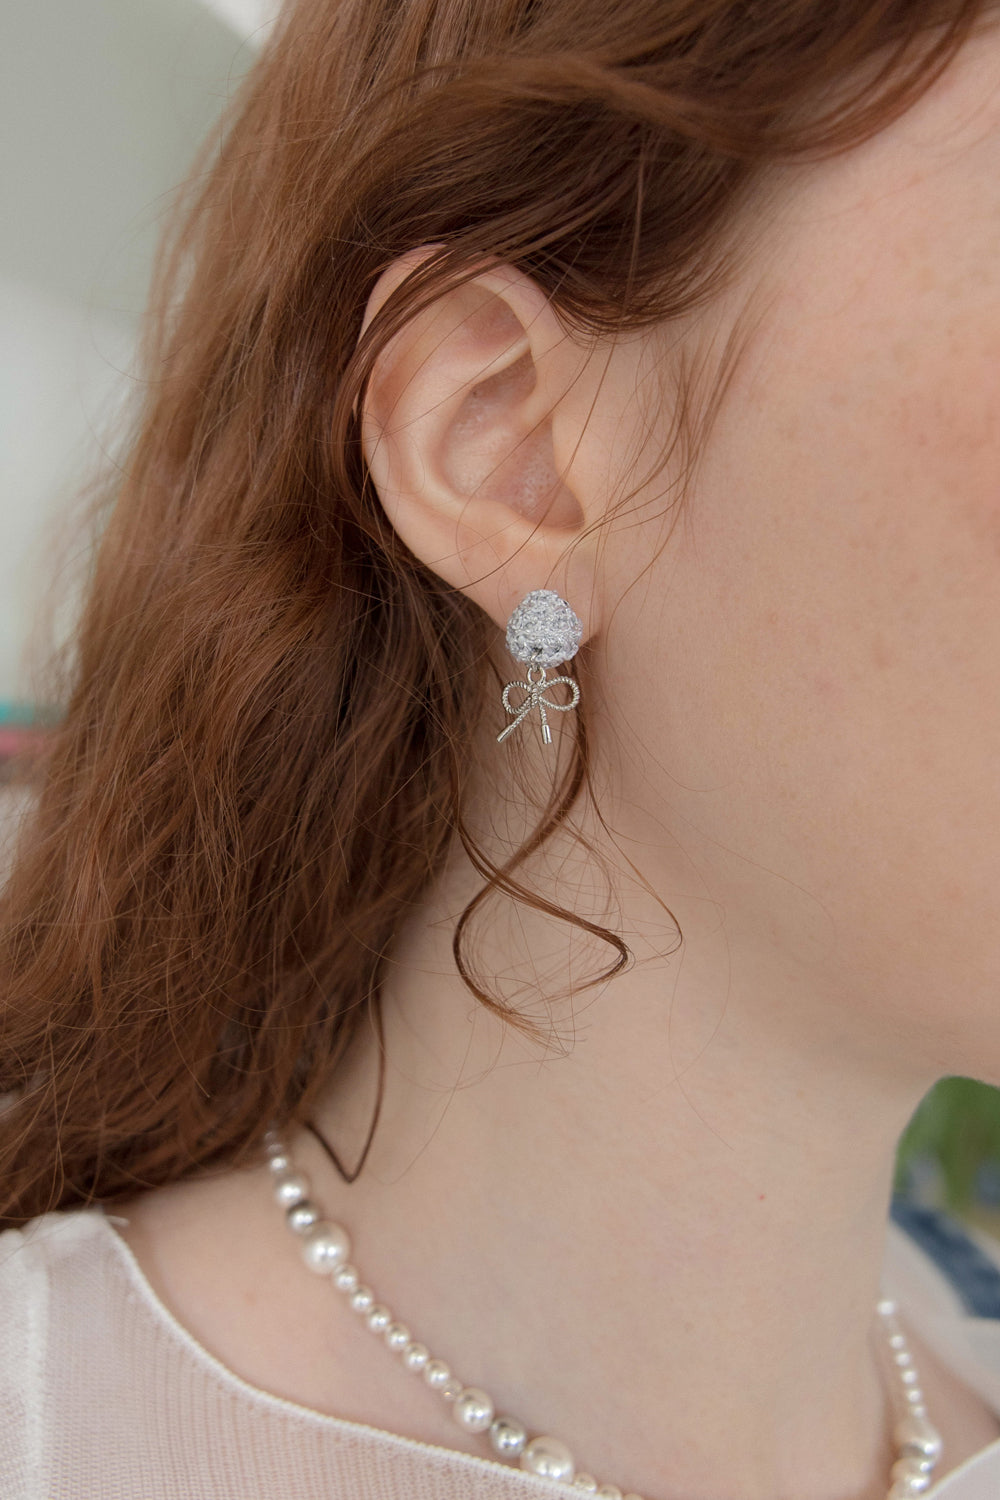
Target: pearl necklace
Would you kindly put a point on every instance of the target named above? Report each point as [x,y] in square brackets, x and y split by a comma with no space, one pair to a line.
[326,1250]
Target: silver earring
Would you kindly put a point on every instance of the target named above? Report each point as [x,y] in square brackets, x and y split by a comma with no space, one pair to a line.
[543,631]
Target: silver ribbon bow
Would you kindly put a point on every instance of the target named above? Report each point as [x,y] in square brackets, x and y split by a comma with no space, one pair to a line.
[536,687]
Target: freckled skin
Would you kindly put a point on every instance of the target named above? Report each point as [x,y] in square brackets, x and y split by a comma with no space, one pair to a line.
[829,632]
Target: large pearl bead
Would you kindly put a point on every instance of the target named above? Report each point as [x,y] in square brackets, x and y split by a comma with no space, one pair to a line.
[473,1409]
[548,1458]
[325,1247]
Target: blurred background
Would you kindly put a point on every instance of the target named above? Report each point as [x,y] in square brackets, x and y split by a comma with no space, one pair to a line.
[103,104]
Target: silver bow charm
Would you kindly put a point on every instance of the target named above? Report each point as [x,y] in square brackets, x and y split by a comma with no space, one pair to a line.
[536,687]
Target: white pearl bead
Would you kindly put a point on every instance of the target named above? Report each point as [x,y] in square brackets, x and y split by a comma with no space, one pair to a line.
[916,1436]
[362,1299]
[508,1436]
[324,1247]
[279,1161]
[585,1482]
[887,1308]
[379,1318]
[908,1483]
[415,1357]
[451,1390]
[346,1278]
[271,1138]
[609,1492]
[548,1458]
[302,1216]
[397,1336]
[437,1373]
[473,1409]
[290,1188]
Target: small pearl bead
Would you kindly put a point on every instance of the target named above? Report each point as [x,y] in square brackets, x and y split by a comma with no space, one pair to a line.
[325,1247]
[436,1373]
[379,1318]
[451,1390]
[915,1436]
[887,1307]
[473,1409]
[508,1436]
[279,1161]
[362,1299]
[548,1458]
[902,1358]
[271,1139]
[290,1188]
[907,1481]
[609,1492]
[914,1397]
[346,1278]
[302,1216]
[585,1482]
[415,1357]
[397,1336]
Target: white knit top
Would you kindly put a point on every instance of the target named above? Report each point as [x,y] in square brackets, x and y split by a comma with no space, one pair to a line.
[104,1396]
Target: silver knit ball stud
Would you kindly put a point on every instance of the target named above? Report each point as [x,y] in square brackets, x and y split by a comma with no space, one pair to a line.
[542,632]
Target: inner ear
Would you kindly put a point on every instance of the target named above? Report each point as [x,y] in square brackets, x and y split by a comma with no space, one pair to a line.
[491,455]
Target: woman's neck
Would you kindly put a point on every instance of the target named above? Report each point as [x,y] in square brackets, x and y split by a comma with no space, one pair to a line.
[660,1240]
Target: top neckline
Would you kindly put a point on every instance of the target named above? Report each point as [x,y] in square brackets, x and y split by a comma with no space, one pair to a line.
[517,1478]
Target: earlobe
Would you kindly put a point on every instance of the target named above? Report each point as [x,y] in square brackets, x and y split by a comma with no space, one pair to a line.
[460,428]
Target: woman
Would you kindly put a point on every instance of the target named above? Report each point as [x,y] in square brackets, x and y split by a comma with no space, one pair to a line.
[688,315]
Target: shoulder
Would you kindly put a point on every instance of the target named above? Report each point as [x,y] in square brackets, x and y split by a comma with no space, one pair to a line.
[31,1259]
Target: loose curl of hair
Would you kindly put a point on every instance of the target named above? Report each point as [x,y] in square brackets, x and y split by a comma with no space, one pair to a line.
[262,757]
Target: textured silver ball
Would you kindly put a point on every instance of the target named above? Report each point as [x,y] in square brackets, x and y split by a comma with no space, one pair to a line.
[508,1437]
[473,1409]
[325,1247]
[543,630]
[549,1459]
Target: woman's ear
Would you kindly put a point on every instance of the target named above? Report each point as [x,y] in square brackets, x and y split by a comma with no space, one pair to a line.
[472,418]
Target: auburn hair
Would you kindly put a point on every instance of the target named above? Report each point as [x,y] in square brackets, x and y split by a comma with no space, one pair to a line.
[271,702]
